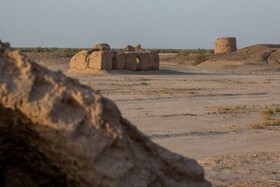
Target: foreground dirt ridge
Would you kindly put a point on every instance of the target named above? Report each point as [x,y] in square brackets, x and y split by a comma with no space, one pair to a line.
[57,131]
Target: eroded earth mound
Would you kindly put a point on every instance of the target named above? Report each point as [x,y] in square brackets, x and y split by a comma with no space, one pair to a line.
[261,53]
[56,132]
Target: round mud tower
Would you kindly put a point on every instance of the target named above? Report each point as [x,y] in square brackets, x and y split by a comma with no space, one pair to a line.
[225,45]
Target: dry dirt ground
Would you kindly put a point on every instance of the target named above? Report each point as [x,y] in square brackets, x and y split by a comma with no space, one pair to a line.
[203,112]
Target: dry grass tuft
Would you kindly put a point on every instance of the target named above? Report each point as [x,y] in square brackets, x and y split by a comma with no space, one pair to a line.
[143,83]
[239,107]
[272,129]
[256,126]
[269,118]
[266,112]
[191,92]
[276,109]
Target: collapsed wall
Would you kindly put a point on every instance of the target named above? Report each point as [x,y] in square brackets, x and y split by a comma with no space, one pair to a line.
[225,45]
[101,57]
[56,132]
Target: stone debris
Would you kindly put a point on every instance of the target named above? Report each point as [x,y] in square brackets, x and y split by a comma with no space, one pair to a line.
[102,47]
[56,132]
[129,48]
[138,47]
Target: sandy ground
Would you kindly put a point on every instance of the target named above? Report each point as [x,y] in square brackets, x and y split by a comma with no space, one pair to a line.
[202,113]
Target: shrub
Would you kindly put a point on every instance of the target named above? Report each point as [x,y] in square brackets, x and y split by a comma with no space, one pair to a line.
[267,112]
[191,92]
[39,50]
[143,83]
[276,109]
[272,129]
[183,53]
[256,126]
[234,115]
[266,117]
[199,59]
[200,56]
[240,107]
[67,52]
[25,49]
[276,122]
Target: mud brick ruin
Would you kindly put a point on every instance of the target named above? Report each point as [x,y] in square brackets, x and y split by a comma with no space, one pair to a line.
[101,57]
[225,45]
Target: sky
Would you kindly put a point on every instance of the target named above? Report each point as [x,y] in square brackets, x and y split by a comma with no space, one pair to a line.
[177,24]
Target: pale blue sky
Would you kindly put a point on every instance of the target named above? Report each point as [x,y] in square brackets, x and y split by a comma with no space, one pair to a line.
[153,23]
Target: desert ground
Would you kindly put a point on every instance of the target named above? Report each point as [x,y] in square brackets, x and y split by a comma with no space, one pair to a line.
[224,113]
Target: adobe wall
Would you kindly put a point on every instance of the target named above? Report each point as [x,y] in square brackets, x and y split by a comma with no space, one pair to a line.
[225,45]
[100,60]
[100,57]
[138,47]
[136,61]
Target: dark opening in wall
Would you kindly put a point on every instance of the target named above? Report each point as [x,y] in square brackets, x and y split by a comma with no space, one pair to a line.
[138,59]
[115,61]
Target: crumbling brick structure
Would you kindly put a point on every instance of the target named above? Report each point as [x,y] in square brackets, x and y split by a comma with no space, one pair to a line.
[225,45]
[101,57]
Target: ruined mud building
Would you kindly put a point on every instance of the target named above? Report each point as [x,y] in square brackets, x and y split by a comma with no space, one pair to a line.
[103,58]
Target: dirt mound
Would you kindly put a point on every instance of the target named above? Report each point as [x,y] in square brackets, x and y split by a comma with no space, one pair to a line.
[57,132]
[50,60]
[262,53]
